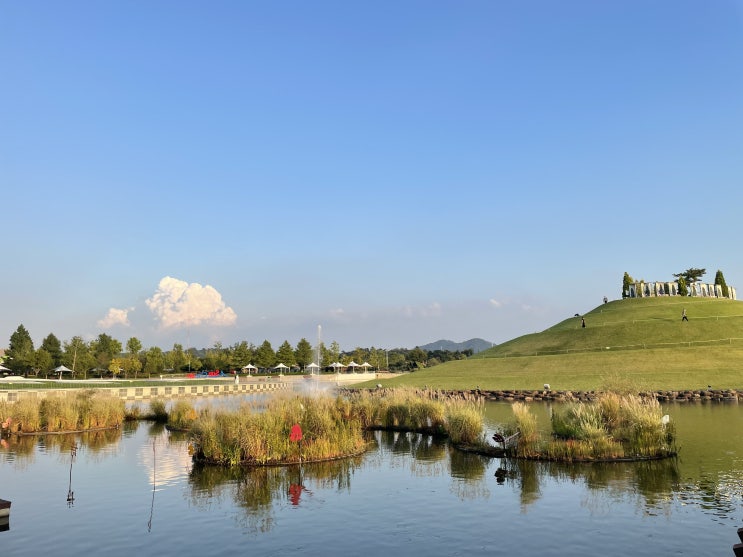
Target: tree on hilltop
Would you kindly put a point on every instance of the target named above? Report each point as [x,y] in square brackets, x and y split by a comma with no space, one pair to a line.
[691,276]
[626,281]
[683,291]
[719,279]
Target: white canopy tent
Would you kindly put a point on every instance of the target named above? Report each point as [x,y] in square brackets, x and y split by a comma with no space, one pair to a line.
[366,366]
[249,368]
[312,367]
[281,367]
[3,368]
[61,370]
[353,365]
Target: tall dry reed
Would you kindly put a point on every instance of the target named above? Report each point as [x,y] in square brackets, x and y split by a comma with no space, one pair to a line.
[464,423]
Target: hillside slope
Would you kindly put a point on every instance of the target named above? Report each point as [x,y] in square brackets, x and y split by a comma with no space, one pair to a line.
[634,324]
[635,344]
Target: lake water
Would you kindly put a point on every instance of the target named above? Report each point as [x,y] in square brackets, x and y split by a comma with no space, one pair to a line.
[136,492]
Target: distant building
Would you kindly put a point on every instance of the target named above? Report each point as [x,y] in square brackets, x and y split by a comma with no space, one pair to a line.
[697,289]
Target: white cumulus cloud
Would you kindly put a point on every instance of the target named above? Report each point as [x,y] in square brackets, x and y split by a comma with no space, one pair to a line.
[180,304]
[115,317]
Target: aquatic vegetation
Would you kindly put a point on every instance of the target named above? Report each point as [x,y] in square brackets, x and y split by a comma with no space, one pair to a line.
[182,415]
[86,409]
[329,430]
[464,424]
[332,427]
[158,411]
[613,427]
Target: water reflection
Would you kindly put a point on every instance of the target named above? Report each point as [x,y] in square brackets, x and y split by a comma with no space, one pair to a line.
[260,491]
[70,493]
[21,450]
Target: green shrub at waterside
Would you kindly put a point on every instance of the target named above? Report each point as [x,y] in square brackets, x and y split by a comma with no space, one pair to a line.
[613,427]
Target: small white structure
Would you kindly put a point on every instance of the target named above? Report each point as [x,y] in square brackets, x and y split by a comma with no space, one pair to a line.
[281,367]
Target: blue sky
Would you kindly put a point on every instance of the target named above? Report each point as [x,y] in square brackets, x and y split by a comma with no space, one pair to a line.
[397,172]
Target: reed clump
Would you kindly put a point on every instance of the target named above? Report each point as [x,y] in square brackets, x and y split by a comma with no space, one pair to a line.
[25,416]
[525,423]
[402,409]
[464,424]
[182,415]
[158,410]
[73,412]
[329,430]
[615,426]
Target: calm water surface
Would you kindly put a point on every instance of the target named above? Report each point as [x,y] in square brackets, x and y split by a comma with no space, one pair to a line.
[136,492]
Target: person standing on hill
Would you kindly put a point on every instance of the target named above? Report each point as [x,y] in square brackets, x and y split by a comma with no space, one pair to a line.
[583,322]
[683,315]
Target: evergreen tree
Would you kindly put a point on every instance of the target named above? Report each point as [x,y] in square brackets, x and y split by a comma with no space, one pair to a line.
[241,354]
[683,291]
[264,355]
[52,345]
[626,281]
[285,354]
[21,354]
[719,279]
[304,354]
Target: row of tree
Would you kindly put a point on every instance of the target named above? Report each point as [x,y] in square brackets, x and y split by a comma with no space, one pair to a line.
[684,280]
[105,355]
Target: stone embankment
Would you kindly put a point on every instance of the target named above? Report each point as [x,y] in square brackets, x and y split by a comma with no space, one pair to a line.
[702,395]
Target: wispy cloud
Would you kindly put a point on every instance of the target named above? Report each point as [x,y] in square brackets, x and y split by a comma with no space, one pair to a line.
[496,303]
[180,304]
[115,317]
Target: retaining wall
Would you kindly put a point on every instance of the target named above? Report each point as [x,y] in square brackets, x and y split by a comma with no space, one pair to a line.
[201,389]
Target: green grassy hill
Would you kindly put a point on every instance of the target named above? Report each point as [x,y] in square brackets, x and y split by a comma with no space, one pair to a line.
[638,343]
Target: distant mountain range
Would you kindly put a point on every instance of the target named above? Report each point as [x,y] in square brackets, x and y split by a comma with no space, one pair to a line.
[476,344]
